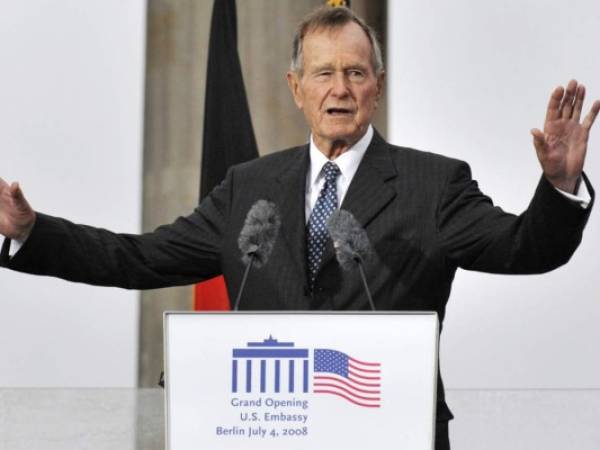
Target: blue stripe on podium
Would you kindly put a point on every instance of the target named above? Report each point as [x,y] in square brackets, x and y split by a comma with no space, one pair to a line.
[263,375]
[234,376]
[268,353]
[249,376]
[305,377]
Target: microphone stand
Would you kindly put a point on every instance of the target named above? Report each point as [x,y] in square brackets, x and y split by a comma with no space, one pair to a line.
[359,262]
[245,277]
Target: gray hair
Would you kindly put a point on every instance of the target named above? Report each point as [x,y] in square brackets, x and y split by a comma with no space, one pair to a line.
[327,17]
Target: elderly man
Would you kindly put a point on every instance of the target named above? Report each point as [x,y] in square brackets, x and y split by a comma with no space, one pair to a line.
[424,215]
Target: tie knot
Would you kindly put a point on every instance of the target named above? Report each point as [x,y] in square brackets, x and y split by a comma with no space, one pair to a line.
[331,171]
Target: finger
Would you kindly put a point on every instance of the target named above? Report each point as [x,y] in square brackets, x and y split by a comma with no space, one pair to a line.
[4,188]
[591,116]
[578,105]
[539,140]
[552,112]
[18,196]
[566,105]
[537,134]
[14,189]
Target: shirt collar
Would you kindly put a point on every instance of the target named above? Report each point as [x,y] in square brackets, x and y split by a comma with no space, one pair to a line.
[348,161]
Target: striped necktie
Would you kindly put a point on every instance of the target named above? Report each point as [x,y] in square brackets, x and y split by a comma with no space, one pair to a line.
[317,234]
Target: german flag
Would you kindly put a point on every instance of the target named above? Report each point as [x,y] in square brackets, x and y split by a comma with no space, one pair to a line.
[228,134]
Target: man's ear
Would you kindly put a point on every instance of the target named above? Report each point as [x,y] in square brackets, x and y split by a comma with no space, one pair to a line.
[294,84]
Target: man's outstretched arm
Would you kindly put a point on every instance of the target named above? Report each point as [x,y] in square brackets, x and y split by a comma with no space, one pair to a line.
[184,252]
[478,236]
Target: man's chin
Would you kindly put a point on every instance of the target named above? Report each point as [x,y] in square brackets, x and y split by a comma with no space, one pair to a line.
[348,135]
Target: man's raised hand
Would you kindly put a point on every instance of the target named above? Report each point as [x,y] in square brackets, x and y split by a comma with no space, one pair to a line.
[16,216]
[561,147]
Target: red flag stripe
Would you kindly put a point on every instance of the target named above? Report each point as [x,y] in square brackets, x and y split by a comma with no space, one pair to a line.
[352,366]
[362,377]
[360,383]
[211,295]
[364,363]
[348,392]
[367,405]
[345,382]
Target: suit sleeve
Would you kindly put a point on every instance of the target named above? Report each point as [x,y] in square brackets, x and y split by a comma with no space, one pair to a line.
[183,252]
[477,235]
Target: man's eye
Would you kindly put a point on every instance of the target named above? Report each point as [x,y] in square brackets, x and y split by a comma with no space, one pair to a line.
[356,74]
[323,74]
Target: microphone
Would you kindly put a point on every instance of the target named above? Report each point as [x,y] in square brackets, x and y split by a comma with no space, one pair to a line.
[351,244]
[257,238]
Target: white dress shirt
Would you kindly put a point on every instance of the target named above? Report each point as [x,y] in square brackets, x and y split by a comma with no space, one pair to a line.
[348,163]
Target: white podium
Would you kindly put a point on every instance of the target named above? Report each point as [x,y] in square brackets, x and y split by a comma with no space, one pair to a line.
[306,380]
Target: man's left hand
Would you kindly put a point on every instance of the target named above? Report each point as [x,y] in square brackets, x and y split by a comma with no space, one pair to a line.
[562,146]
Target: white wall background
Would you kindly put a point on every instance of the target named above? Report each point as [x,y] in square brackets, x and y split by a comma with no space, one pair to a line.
[468,79]
[71,111]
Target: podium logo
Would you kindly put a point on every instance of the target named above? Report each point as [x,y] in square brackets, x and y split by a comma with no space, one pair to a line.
[277,367]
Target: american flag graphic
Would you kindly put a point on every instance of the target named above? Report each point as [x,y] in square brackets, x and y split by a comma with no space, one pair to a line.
[356,381]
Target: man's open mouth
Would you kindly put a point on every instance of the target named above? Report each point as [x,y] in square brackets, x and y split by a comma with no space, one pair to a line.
[338,111]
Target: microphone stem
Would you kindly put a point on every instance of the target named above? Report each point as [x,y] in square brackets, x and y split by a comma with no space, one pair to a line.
[239,296]
[364,280]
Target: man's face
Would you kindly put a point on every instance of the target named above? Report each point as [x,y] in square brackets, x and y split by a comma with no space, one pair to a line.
[338,89]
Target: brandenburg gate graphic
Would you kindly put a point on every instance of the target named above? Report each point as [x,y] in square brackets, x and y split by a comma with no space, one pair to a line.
[270,354]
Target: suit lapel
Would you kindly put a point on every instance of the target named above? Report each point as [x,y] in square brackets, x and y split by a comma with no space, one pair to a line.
[367,195]
[368,192]
[289,195]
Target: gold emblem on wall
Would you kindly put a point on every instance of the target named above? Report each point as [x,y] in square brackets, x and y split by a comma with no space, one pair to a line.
[337,3]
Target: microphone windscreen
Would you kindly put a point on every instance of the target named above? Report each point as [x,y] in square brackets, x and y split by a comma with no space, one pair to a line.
[349,238]
[259,232]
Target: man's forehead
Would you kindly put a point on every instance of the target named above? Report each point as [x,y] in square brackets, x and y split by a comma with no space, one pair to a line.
[334,32]
[349,39]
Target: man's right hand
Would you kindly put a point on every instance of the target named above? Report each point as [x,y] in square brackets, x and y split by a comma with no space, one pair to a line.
[16,216]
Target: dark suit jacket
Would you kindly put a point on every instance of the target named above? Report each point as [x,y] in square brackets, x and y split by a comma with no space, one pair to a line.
[423,213]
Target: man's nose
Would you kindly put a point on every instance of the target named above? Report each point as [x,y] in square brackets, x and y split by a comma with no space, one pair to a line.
[340,85]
